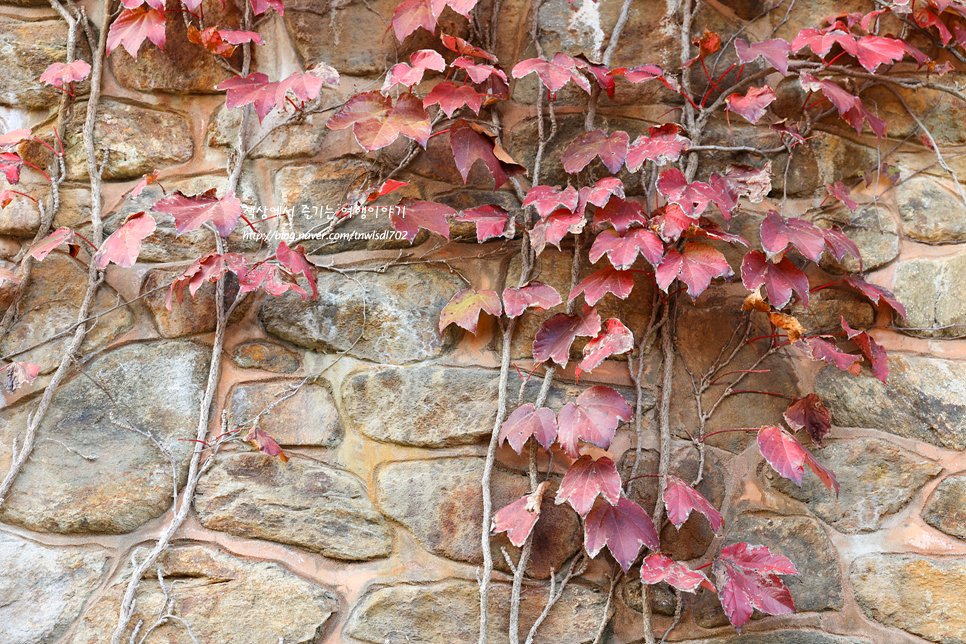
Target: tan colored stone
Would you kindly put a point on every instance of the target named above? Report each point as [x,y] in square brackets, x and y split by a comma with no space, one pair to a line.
[930,210]
[931,290]
[267,356]
[27,48]
[291,411]
[874,231]
[946,509]
[296,140]
[194,314]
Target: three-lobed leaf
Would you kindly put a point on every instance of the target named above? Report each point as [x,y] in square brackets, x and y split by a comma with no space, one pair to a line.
[624,528]
[464,308]
[527,421]
[585,479]
[593,418]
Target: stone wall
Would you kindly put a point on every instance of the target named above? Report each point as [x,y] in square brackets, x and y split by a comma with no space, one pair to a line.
[370,532]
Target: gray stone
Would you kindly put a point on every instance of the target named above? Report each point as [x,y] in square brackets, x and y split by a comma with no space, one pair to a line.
[266,356]
[925,399]
[27,48]
[920,595]
[874,231]
[930,211]
[50,305]
[422,406]
[781,637]
[157,387]
[448,612]
[389,317]
[222,598]
[140,139]
[828,306]
[816,588]
[290,411]
[878,479]
[439,502]
[303,139]
[946,509]
[300,503]
[43,589]
[931,291]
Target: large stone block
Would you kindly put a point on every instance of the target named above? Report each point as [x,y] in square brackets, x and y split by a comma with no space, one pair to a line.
[931,290]
[27,48]
[300,503]
[931,211]
[440,502]
[222,598]
[925,399]
[267,356]
[155,386]
[946,509]
[874,231]
[292,412]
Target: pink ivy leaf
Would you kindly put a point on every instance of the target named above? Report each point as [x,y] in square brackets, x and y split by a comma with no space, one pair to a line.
[875,293]
[585,479]
[45,246]
[554,228]
[19,374]
[608,280]
[527,421]
[820,41]
[670,222]
[403,74]
[774,51]
[779,279]
[124,245]
[463,48]
[692,197]
[593,418]
[778,233]
[411,215]
[646,73]
[622,250]
[207,268]
[783,452]
[553,74]
[747,181]
[261,6]
[623,528]
[478,72]
[190,213]
[533,295]
[376,123]
[254,88]
[469,146]
[553,340]
[410,15]
[547,199]
[305,87]
[747,578]
[614,339]
[294,260]
[824,474]
[265,443]
[825,350]
[696,266]
[839,244]
[450,98]
[463,309]
[875,50]
[872,350]
[612,149]
[518,518]
[680,498]
[13,137]
[271,279]
[600,193]
[843,193]
[491,221]
[601,75]
[620,214]
[238,37]
[132,27]
[662,144]
[60,74]
[753,104]
[658,567]
[10,164]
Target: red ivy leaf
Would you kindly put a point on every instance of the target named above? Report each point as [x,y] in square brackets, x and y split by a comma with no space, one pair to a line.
[190,213]
[820,41]
[871,349]
[207,268]
[586,146]
[692,197]
[124,245]
[670,222]
[554,74]
[13,137]
[45,246]
[585,479]
[622,250]
[254,88]
[464,308]
[237,37]
[410,15]
[777,234]
[613,340]
[132,27]
[294,260]
[554,228]
[463,48]
[623,528]
[696,266]
[842,100]
[518,518]
[547,199]
[491,221]
[779,279]
[843,193]
[680,498]
[478,72]
[469,146]
[875,292]
[533,295]
[810,414]
[20,374]
[376,123]
[608,280]
[620,214]
[820,349]
[411,215]
[10,164]
[600,193]
[875,50]
[753,104]
[747,578]
[305,87]
[450,98]
[783,452]
[271,279]
[261,6]
[265,443]
[60,74]
[839,244]
[403,74]
[774,51]
[594,419]
[527,421]
[658,567]
[926,19]
[662,144]
[552,341]
[646,73]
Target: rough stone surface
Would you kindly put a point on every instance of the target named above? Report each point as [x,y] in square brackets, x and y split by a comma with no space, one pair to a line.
[439,502]
[290,141]
[828,306]
[396,313]
[660,596]
[412,612]
[874,231]
[878,480]
[931,291]
[303,416]
[816,588]
[164,244]
[422,406]
[194,314]
[222,598]
[182,67]
[27,48]
[140,139]
[157,386]
[267,356]
[920,595]
[21,217]
[925,399]
[946,510]
[50,305]
[43,589]
[781,637]
[300,503]
[931,211]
